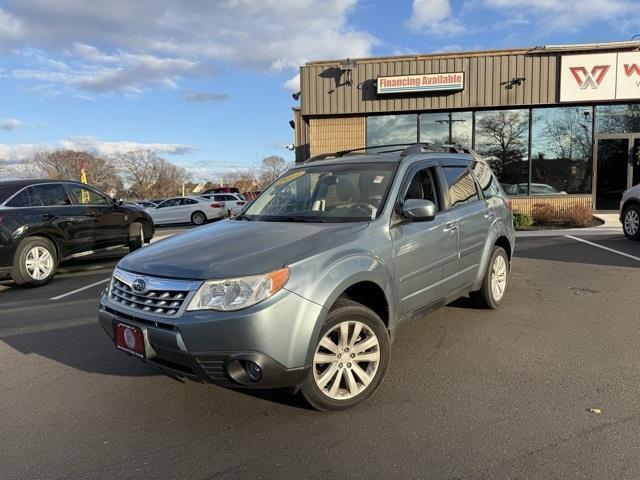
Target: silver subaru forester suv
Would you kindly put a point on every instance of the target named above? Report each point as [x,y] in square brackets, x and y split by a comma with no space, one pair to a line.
[306,288]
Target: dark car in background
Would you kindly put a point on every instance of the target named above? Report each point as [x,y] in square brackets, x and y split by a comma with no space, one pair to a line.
[45,222]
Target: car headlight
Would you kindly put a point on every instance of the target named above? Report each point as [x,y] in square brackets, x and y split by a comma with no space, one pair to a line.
[238,293]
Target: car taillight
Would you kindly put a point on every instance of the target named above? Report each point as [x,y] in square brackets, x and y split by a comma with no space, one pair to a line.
[239,203]
[216,205]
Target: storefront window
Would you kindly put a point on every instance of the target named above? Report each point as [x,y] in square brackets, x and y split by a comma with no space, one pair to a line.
[618,118]
[434,128]
[461,128]
[502,137]
[561,150]
[441,128]
[392,129]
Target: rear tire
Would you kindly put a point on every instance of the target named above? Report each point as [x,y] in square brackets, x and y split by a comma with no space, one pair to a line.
[631,222]
[337,379]
[198,218]
[35,262]
[136,236]
[495,282]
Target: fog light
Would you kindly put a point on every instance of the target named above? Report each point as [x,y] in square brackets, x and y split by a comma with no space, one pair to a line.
[254,372]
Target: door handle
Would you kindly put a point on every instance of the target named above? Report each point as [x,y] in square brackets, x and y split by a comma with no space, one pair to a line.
[490,214]
[450,227]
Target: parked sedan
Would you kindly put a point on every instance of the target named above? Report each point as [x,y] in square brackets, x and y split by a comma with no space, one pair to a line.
[194,210]
[45,222]
[233,202]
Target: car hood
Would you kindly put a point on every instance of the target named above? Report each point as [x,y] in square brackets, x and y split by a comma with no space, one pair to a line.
[234,248]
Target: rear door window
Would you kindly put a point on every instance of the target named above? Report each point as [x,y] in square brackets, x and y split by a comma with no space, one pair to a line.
[48,195]
[462,186]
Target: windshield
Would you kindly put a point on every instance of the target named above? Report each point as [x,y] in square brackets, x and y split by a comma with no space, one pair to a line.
[328,193]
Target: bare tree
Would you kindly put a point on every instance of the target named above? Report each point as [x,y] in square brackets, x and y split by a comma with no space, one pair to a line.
[67,164]
[151,176]
[504,135]
[244,180]
[271,168]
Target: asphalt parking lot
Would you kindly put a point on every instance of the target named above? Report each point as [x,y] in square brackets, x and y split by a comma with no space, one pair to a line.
[469,393]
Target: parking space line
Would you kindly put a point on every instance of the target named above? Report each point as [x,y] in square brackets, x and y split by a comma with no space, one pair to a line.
[632,257]
[79,289]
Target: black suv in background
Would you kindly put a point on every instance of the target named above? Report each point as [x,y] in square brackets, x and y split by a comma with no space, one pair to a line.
[45,222]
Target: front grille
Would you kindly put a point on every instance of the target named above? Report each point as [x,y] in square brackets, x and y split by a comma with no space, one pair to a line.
[159,302]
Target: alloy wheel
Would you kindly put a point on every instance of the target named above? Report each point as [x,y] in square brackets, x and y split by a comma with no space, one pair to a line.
[39,263]
[346,360]
[498,277]
[631,222]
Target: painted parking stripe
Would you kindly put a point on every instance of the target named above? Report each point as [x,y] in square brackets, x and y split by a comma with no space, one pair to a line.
[79,289]
[632,257]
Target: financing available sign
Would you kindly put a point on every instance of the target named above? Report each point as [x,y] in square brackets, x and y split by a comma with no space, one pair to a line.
[426,82]
[606,76]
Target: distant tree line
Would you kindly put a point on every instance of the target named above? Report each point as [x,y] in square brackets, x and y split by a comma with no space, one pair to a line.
[140,174]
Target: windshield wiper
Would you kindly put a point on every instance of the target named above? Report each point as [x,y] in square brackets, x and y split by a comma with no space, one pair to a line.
[297,219]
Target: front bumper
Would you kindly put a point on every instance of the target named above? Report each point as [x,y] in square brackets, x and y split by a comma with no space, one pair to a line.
[215,347]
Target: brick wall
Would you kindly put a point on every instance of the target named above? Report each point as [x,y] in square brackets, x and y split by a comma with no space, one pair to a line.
[562,203]
[332,134]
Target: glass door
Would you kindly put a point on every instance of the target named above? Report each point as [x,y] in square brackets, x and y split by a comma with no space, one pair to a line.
[617,163]
[635,161]
[612,167]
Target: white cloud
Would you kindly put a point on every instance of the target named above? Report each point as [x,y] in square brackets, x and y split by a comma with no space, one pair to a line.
[99,73]
[130,46]
[293,84]
[434,17]
[10,124]
[572,15]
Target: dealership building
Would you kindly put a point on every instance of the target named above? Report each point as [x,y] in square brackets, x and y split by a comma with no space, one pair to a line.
[558,124]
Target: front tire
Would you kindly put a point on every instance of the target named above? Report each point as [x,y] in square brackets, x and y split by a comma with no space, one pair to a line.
[496,280]
[35,262]
[136,236]
[350,358]
[198,218]
[631,222]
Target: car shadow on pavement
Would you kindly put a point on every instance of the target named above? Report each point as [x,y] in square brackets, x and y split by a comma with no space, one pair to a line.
[86,348]
[83,347]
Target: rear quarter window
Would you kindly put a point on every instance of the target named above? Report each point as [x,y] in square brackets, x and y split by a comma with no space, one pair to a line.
[6,191]
[486,179]
[20,200]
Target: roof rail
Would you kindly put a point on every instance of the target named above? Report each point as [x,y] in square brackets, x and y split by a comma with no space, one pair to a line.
[447,147]
[323,156]
[405,150]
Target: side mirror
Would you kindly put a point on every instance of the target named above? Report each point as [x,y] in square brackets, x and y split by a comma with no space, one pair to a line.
[117,201]
[419,209]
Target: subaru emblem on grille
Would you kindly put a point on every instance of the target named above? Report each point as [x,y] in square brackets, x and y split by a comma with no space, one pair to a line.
[139,285]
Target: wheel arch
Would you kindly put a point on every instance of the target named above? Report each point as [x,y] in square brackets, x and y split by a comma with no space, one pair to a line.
[368,290]
[54,239]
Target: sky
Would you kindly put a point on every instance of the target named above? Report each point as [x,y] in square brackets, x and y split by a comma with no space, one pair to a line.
[207,84]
